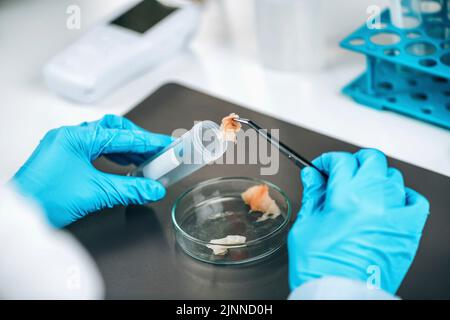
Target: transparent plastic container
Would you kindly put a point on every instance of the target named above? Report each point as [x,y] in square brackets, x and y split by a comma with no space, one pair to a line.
[406,14]
[203,144]
[214,209]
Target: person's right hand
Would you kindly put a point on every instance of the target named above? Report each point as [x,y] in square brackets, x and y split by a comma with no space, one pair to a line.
[363,222]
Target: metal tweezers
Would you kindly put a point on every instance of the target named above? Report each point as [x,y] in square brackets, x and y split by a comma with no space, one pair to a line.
[298,160]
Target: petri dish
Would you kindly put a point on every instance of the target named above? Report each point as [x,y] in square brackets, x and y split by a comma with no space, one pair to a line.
[214,209]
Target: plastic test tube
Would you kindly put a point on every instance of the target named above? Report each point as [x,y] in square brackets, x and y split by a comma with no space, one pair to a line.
[199,146]
[405,14]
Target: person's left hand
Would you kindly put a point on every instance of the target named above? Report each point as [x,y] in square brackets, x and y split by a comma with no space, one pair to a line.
[60,175]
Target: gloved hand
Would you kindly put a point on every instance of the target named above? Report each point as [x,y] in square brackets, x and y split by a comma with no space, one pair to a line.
[362,220]
[60,175]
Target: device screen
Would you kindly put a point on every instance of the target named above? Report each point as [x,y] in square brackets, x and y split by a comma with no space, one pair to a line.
[143,16]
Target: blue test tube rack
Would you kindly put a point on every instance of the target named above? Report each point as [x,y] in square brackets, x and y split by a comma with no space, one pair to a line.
[408,70]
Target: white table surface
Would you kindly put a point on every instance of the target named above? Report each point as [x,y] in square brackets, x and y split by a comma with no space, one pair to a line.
[221,61]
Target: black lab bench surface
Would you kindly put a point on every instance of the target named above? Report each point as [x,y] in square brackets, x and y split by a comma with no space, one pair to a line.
[135,247]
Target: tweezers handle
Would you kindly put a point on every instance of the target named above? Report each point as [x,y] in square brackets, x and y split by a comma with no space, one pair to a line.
[297,159]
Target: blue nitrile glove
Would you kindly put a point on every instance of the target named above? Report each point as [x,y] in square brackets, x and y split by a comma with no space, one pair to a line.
[361,221]
[60,175]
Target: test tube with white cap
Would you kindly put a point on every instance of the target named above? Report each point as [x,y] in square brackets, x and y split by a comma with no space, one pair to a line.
[201,145]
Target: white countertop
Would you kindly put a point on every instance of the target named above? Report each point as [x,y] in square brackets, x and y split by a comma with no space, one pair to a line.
[221,61]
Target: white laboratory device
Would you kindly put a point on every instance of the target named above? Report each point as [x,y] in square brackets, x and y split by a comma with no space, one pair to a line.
[116,50]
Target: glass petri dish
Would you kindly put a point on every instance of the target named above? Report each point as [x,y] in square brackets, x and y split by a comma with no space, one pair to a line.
[214,209]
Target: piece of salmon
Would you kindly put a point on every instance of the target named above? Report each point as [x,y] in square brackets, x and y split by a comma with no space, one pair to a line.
[258,198]
[230,127]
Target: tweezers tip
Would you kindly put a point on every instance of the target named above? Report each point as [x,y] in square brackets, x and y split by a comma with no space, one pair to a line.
[242,120]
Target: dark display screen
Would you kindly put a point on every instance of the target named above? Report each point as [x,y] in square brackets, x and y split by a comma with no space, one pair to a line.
[143,16]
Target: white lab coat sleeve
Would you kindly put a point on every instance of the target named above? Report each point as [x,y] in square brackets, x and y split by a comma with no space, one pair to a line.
[38,261]
[337,288]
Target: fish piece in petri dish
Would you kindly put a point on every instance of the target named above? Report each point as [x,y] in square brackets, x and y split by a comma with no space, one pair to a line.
[220,246]
[258,198]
